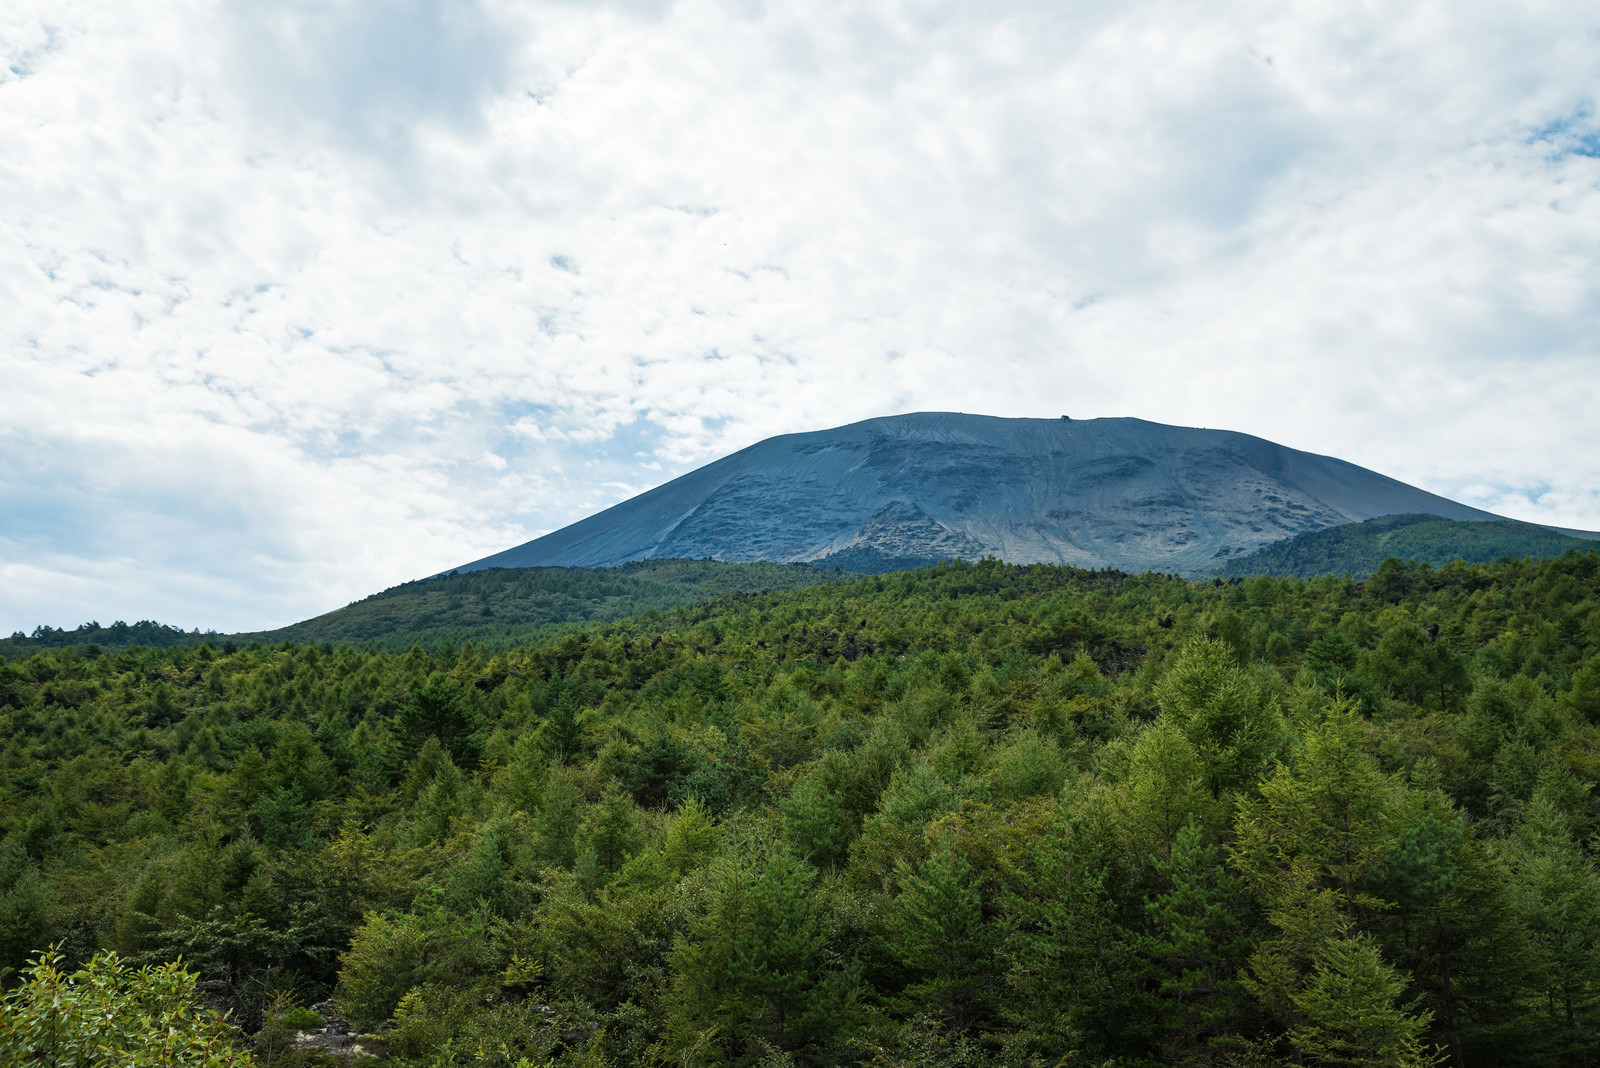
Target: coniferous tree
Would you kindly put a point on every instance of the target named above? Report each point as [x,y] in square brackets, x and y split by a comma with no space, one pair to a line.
[1313,846]
[1073,965]
[613,831]
[1554,893]
[755,974]
[1228,712]
[1199,934]
[1351,1013]
[24,920]
[936,930]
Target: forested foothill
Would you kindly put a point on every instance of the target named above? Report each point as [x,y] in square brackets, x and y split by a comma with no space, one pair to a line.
[966,815]
[495,607]
[1359,549]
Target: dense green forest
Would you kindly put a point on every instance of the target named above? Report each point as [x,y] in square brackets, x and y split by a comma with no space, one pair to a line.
[493,608]
[1357,549]
[971,814]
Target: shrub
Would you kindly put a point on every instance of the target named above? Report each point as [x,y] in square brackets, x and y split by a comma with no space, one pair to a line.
[108,1012]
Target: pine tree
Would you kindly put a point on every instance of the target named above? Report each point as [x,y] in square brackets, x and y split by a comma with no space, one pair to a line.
[24,905]
[756,971]
[1229,712]
[1314,847]
[1198,938]
[1350,1012]
[936,930]
[1553,888]
[614,831]
[1078,981]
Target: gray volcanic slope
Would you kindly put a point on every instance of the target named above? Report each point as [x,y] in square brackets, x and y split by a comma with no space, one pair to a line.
[1120,493]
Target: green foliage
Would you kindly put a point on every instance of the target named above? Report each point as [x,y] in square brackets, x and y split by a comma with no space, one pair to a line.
[24,905]
[607,947]
[1198,934]
[444,712]
[937,932]
[1229,713]
[967,815]
[555,829]
[1167,785]
[691,840]
[1031,766]
[756,972]
[816,823]
[108,1012]
[1359,549]
[1351,1014]
[614,831]
[1410,664]
[381,965]
[1319,827]
[390,955]
[1554,891]
[93,636]
[1073,960]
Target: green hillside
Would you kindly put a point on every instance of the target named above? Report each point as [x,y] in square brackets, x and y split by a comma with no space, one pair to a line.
[500,606]
[968,815]
[495,607]
[1356,549]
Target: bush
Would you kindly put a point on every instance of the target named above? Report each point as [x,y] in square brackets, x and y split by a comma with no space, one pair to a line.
[109,1013]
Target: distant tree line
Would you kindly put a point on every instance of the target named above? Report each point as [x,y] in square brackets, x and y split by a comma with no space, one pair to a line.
[145,632]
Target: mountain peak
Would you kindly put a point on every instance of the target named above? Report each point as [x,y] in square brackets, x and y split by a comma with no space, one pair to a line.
[896,490]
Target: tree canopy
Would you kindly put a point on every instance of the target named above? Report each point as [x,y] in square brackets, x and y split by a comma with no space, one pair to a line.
[969,814]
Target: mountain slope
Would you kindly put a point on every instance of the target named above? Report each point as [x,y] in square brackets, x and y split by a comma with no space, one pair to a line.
[498,605]
[1356,549]
[1121,493]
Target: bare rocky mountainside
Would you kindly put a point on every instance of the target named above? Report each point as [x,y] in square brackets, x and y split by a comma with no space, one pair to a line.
[908,489]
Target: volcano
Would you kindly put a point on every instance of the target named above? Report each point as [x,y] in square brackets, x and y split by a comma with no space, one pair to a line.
[904,490]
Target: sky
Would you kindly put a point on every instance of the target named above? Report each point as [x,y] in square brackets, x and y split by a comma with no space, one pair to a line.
[299,301]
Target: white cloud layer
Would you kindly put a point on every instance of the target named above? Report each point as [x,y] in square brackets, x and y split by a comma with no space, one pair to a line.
[298,301]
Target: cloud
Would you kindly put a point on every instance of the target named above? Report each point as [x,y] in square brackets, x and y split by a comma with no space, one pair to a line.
[365,75]
[333,296]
